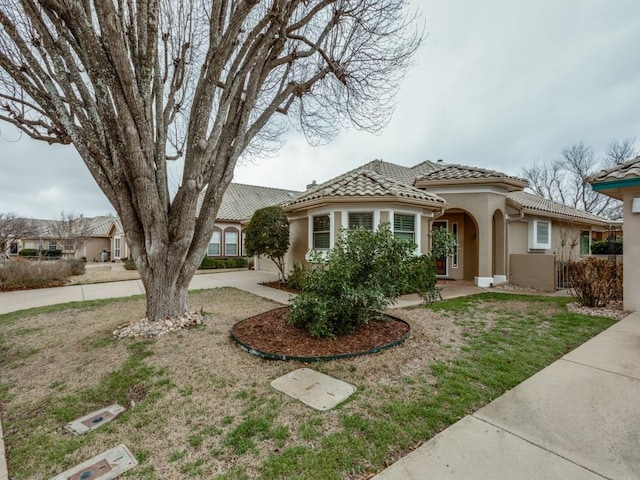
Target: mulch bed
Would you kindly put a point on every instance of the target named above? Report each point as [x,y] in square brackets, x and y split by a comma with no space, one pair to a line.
[269,332]
[280,286]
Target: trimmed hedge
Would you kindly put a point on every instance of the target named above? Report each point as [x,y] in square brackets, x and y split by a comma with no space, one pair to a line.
[209,263]
[605,247]
[34,252]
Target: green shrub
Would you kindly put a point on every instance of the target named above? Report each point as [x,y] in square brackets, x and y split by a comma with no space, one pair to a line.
[77,266]
[268,234]
[298,276]
[595,282]
[230,263]
[34,252]
[212,263]
[28,252]
[207,262]
[27,275]
[606,247]
[129,264]
[420,278]
[362,274]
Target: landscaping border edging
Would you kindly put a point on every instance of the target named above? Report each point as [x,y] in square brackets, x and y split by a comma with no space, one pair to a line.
[310,359]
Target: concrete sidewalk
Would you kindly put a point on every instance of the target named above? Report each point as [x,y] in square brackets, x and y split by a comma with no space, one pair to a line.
[578,419]
[248,280]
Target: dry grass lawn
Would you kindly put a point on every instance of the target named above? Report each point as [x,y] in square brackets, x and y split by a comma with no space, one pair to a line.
[204,407]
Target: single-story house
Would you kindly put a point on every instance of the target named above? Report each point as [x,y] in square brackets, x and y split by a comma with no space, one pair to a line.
[623,182]
[81,237]
[495,221]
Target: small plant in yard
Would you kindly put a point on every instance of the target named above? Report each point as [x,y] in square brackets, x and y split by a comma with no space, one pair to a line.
[129,264]
[268,234]
[298,276]
[595,282]
[77,266]
[363,273]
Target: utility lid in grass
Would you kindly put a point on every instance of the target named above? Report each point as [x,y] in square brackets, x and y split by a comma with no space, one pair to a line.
[105,466]
[314,389]
[95,419]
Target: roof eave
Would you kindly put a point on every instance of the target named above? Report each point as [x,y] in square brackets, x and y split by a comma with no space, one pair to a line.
[511,185]
[560,216]
[323,201]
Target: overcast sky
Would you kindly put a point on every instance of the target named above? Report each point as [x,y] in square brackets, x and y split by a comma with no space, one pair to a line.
[497,84]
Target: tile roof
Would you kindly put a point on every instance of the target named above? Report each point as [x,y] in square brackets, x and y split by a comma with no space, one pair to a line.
[540,204]
[630,169]
[364,183]
[446,171]
[240,201]
[85,226]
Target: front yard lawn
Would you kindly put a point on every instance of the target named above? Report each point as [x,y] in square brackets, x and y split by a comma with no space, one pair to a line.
[199,407]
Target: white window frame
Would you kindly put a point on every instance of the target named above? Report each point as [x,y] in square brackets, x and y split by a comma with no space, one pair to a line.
[375,219]
[54,244]
[328,232]
[534,241]
[116,247]
[456,234]
[212,242]
[227,243]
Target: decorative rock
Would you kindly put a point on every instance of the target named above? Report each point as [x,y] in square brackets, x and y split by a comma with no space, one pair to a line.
[145,328]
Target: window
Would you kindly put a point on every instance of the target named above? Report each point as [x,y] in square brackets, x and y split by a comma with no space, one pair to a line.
[585,242]
[116,248]
[68,247]
[454,231]
[362,220]
[53,245]
[13,248]
[214,245]
[404,227]
[243,238]
[321,232]
[231,243]
[540,235]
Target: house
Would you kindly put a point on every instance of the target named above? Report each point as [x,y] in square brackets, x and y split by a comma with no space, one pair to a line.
[623,182]
[237,207]
[495,221]
[74,238]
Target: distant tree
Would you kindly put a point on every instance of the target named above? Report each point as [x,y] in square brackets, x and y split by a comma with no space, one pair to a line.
[268,234]
[71,231]
[12,229]
[563,179]
[619,152]
[132,84]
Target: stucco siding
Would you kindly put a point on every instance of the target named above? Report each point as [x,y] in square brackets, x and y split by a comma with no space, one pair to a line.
[631,260]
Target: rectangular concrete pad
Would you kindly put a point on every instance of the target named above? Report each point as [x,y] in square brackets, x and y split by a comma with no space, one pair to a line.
[473,449]
[314,389]
[583,414]
[613,351]
[105,466]
[95,419]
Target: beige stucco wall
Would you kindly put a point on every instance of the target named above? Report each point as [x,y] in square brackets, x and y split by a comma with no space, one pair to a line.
[631,228]
[481,206]
[533,270]
[298,242]
[93,248]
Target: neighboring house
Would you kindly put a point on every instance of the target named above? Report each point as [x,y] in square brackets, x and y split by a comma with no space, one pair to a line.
[84,237]
[623,182]
[492,218]
[238,204]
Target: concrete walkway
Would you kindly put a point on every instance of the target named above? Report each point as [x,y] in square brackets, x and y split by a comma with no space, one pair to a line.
[578,419]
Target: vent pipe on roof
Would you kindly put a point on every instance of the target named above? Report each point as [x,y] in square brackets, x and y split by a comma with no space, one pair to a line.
[439,160]
[311,185]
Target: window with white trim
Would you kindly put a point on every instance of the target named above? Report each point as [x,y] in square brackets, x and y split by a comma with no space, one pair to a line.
[361,220]
[231,243]
[116,248]
[243,238]
[540,235]
[454,258]
[213,249]
[321,232]
[53,245]
[404,227]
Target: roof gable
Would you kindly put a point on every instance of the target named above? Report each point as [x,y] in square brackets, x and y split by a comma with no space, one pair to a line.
[451,174]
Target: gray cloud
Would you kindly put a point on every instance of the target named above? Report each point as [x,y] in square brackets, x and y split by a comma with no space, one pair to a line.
[497,84]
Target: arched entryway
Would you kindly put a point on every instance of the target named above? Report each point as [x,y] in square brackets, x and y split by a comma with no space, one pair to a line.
[463,265]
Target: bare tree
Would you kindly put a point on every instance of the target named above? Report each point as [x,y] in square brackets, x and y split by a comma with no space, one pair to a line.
[12,229]
[71,231]
[132,84]
[563,179]
[619,152]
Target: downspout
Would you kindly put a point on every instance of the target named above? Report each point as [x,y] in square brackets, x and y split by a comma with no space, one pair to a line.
[518,206]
